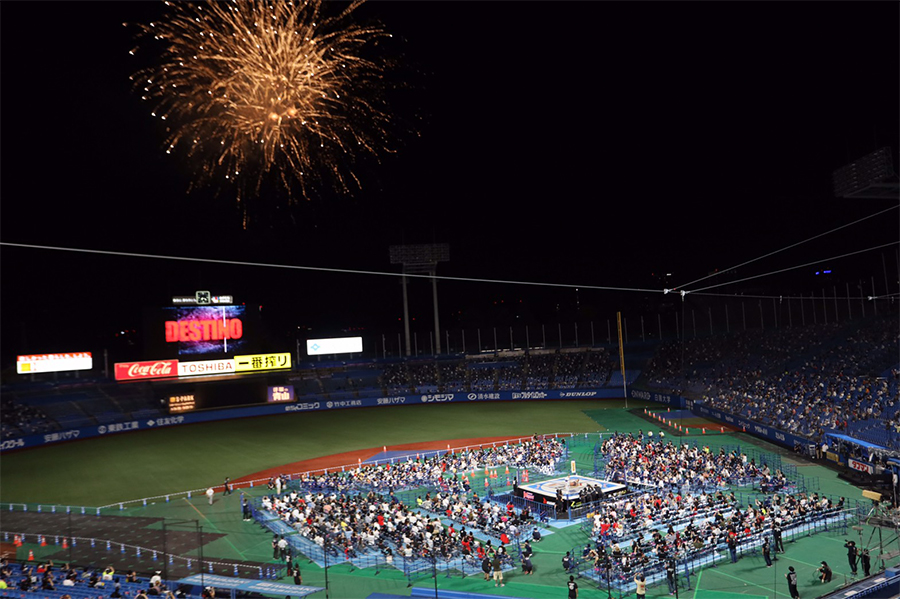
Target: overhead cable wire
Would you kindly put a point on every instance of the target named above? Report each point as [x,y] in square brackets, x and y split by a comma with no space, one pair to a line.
[815,262]
[323,269]
[794,297]
[717,273]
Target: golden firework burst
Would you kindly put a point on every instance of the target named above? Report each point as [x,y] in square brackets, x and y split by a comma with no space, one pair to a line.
[252,89]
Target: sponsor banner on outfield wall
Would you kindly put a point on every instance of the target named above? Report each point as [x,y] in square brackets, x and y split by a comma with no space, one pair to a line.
[669,399]
[303,404]
[859,465]
[764,431]
[53,363]
[151,369]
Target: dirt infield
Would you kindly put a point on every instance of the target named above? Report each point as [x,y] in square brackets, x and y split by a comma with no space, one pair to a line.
[353,458]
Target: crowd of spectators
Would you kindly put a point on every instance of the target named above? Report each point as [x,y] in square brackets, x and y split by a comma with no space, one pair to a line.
[553,369]
[88,582]
[441,470]
[630,516]
[644,533]
[503,522]
[21,419]
[805,380]
[352,524]
[665,465]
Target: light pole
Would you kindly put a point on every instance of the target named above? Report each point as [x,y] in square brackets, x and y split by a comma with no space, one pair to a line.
[608,578]
[420,259]
[434,570]
[325,552]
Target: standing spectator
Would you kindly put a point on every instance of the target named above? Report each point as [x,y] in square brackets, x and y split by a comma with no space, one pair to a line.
[791,577]
[227,486]
[497,566]
[209,494]
[486,567]
[573,587]
[767,552]
[282,548]
[671,574]
[298,579]
[732,548]
[245,507]
[641,583]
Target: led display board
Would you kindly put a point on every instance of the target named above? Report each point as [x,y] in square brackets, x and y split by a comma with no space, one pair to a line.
[344,345]
[198,330]
[54,363]
[281,393]
[186,395]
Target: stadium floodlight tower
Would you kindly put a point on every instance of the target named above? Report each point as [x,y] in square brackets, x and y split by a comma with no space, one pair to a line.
[871,177]
[420,259]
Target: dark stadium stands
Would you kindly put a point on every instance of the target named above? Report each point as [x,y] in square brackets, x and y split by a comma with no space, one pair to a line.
[806,380]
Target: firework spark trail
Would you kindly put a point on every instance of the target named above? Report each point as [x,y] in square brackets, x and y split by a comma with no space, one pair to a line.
[249,88]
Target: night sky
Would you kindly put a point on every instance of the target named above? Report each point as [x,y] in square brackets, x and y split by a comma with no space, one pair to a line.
[597,144]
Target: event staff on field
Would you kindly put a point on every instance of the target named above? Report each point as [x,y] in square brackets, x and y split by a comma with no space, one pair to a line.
[852,555]
[791,577]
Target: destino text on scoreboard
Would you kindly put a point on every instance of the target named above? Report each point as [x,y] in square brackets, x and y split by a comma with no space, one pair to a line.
[262,362]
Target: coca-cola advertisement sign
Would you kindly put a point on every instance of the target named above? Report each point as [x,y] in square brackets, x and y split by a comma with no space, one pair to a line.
[146,370]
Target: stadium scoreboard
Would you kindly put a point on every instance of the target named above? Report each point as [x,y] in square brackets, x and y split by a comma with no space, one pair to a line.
[211,395]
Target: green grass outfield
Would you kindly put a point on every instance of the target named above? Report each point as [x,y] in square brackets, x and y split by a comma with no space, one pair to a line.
[118,468]
[104,470]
